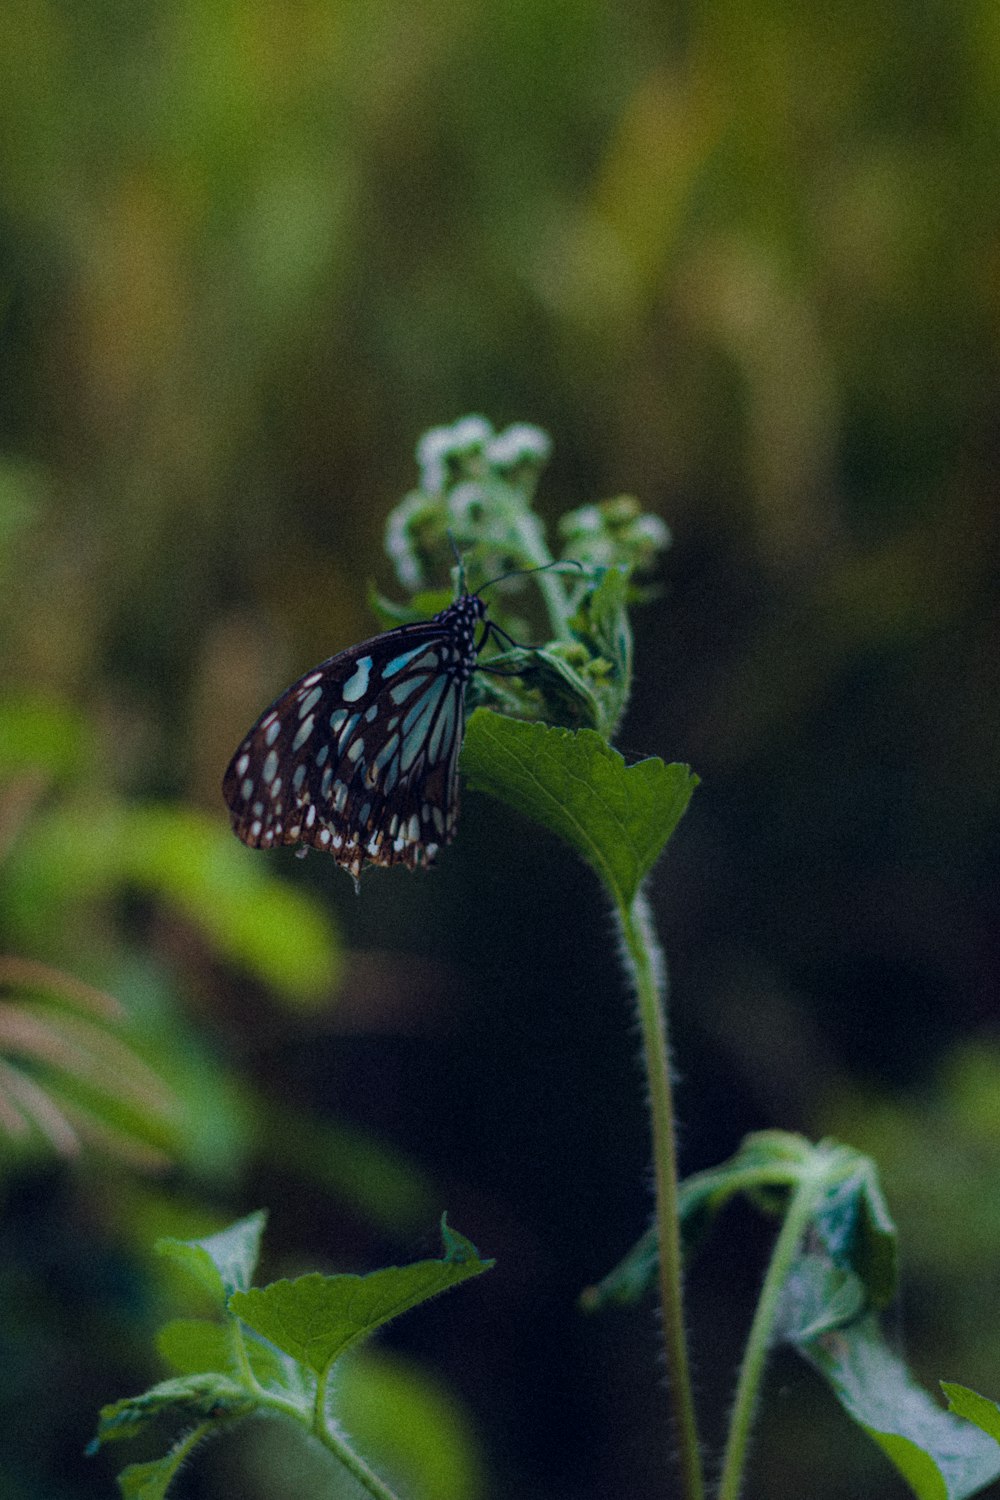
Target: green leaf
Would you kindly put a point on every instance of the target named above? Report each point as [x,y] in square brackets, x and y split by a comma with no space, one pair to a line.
[602,624]
[857,1229]
[630,1279]
[316,1318]
[151,1481]
[973,1407]
[940,1456]
[617,817]
[223,1262]
[194,1346]
[857,1266]
[765,1161]
[544,683]
[817,1296]
[209,1397]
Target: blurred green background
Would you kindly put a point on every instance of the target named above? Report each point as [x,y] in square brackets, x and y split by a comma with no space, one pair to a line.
[742,261]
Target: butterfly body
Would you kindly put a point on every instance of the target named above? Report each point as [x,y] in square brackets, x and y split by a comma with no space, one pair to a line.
[360,756]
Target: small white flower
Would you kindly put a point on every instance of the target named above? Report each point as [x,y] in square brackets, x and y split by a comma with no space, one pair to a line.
[650,529]
[587,521]
[467,435]
[518,444]
[398,544]
[466,505]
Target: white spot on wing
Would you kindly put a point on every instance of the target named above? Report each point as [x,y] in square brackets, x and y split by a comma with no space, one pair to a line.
[357,684]
[305,729]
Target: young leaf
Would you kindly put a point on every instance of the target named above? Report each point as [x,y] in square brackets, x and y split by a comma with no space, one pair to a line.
[223,1262]
[544,683]
[195,1346]
[207,1397]
[856,1227]
[973,1407]
[816,1297]
[617,817]
[151,1481]
[602,624]
[940,1456]
[316,1318]
[630,1279]
[765,1161]
[857,1268]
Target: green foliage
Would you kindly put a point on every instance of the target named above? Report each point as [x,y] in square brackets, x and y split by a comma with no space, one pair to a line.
[316,1319]
[411,1423]
[42,737]
[151,1481]
[842,1271]
[202,1396]
[476,493]
[617,817]
[70,1073]
[85,851]
[940,1455]
[225,1262]
[973,1407]
[273,1352]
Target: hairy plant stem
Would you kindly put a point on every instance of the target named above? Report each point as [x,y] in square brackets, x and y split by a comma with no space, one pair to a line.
[647,970]
[352,1461]
[318,1423]
[797,1217]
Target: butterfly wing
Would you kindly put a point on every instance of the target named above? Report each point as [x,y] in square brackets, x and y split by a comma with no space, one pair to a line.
[360,756]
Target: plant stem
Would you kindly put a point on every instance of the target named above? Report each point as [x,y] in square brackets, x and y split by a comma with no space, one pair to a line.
[647,969]
[338,1445]
[537,555]
[321,1429]
[755,1354]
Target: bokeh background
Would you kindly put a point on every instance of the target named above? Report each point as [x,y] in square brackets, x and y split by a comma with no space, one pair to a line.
[741,261]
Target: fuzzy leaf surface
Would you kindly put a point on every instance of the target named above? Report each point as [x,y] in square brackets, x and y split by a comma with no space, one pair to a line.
[940,1456]
[315,1318]
[206,1397]
[223,1263]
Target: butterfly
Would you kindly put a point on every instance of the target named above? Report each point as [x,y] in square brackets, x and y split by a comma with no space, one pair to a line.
[360,756]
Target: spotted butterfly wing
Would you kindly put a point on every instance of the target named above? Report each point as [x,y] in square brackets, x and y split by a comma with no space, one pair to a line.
[360,756]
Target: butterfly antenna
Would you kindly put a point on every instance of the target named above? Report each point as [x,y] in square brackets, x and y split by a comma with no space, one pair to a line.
[569,562]
[459,562]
